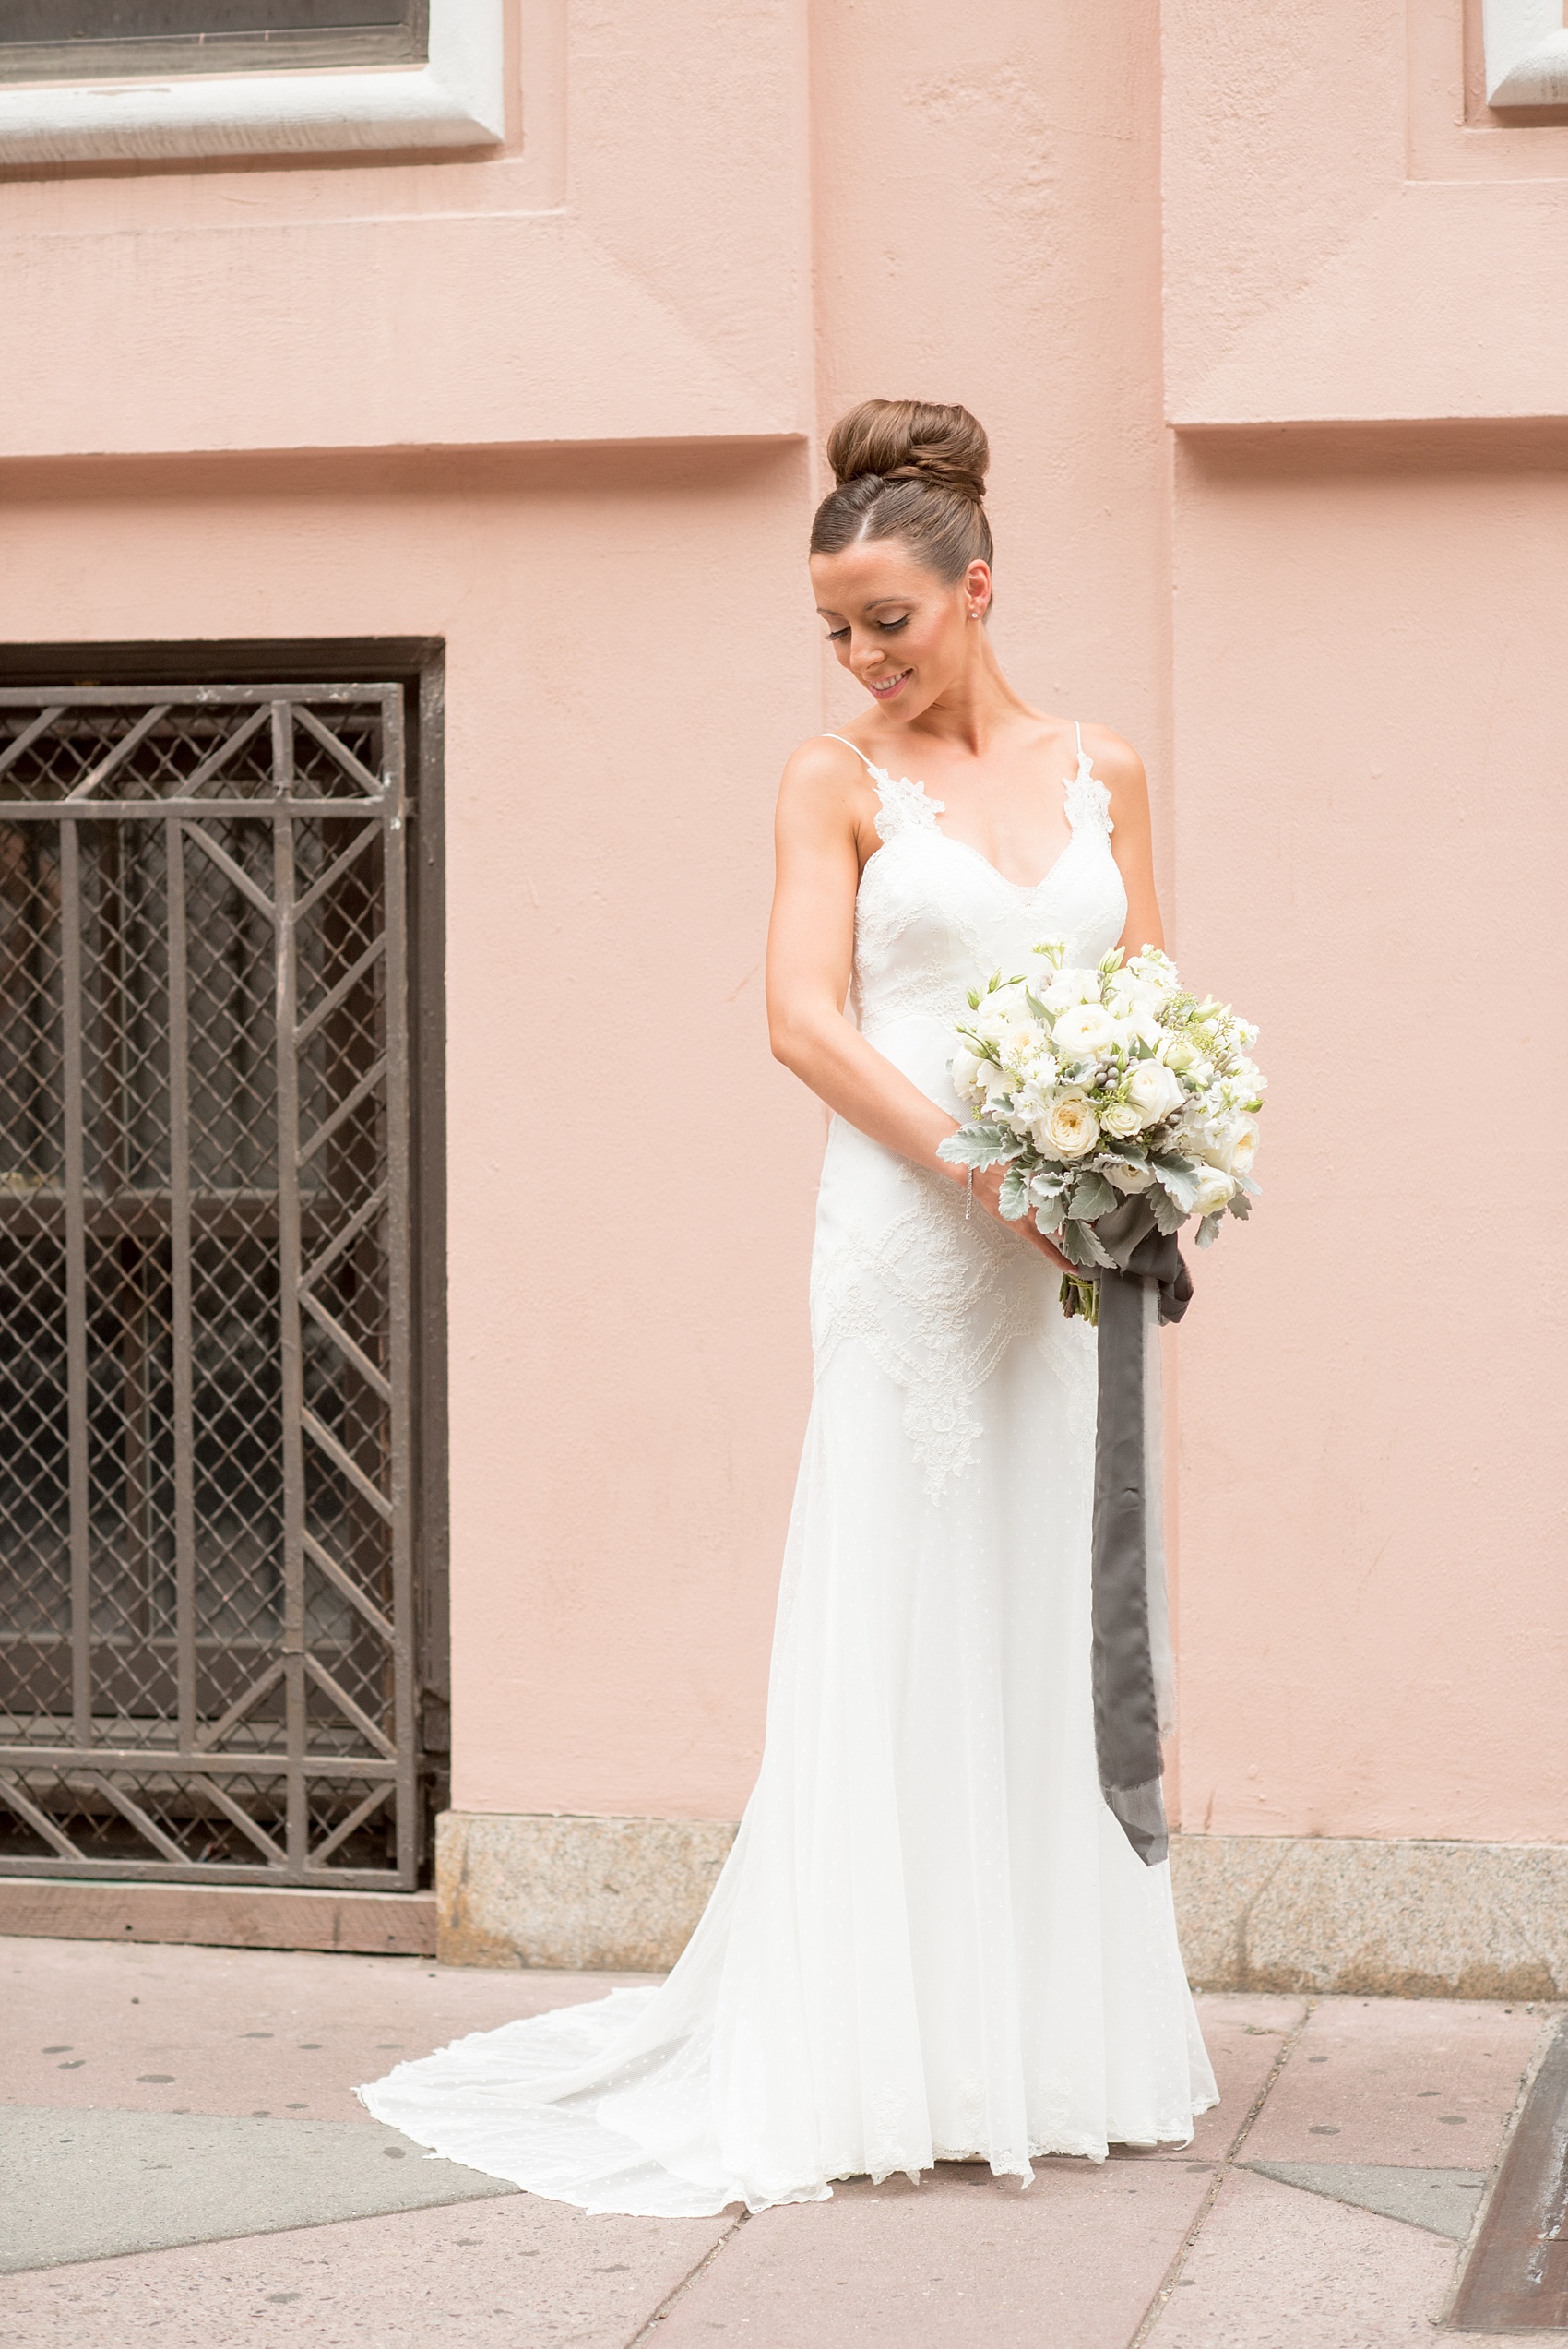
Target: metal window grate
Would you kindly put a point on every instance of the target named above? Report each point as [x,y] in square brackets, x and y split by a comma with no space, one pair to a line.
[206,1602]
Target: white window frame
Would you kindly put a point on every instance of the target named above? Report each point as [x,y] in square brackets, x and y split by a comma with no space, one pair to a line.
[1526,53]
[456,99]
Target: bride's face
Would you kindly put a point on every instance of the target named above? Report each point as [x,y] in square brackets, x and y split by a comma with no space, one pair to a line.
[903,633]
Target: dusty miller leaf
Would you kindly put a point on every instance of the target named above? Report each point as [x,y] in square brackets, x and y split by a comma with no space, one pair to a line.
[1015,1197]
[1092,1194]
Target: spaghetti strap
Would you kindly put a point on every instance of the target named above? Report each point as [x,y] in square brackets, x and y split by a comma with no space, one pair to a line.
[1079,733]
[855,747]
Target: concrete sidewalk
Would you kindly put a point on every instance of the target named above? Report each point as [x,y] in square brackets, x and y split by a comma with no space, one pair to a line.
[181,2161]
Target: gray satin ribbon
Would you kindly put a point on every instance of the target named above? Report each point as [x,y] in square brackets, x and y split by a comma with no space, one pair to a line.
[1126,1707]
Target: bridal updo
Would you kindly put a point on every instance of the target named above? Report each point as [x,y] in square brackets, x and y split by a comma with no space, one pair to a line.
[913,471]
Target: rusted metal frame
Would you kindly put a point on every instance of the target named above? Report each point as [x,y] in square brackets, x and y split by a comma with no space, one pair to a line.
[231,871]
[346,1827]
[327,881]
[214,1732]
[327,1565]
[72,1110]
[350,1709]
[188,811]
[169,1761]
[121,751]
[344,1110]
[344,987]
[28,735]
[225,751]
[240,1818]
[363,1214]
[340,751]
[17,1800]
[133,1813]
[345,1344]
[400,1301]
[343,1462]
[120,1871]
[180,1285]
[292,1358]
[134,697]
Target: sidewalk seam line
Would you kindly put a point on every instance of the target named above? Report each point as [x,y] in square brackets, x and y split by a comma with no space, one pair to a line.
[679,2291]
[1222,2170]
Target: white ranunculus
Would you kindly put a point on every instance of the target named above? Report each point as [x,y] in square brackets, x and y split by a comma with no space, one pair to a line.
[1070,1128]
[1127,1179]
[1214,1187]
[1123,1119]
[1154,1092]
[1083,1032]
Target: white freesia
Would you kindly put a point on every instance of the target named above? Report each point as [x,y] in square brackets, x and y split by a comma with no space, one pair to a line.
[1070,1126]
[1154,1091]
[1084,1033]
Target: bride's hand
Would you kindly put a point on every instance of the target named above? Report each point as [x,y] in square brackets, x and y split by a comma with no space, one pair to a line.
[988,1194]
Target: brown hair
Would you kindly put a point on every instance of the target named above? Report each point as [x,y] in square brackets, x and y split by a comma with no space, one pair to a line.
[908,469]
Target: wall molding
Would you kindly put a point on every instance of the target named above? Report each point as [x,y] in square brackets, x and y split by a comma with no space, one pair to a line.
[455,100]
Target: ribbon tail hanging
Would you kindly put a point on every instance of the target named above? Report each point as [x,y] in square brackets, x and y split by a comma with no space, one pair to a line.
[1148,1284]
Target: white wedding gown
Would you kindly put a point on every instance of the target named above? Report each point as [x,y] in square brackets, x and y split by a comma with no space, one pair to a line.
[931,1940]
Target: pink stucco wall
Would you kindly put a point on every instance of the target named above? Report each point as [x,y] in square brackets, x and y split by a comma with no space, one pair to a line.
[1251,311]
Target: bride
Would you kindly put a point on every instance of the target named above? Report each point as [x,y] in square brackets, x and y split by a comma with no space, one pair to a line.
[931,1940]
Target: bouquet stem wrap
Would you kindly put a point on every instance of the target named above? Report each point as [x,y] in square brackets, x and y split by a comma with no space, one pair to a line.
[1146,1283]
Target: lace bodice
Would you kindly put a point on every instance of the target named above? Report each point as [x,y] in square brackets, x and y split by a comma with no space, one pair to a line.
[936,1297]
[932,914]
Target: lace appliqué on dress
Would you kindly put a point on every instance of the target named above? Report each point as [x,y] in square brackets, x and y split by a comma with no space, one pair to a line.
[903,803]
[1087,800]
[936,1300]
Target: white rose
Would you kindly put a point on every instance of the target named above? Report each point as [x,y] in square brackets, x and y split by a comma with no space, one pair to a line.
[1069,1127]
[1154,1091]
[1084,1033]
[966,1072]
[1127,1179]
[1123,1119]
[998,1011]
[1214,1187]
[1139,1027]
[1242,1146]
[1073,986]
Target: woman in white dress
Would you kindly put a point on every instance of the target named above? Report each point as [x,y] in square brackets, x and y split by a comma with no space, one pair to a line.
[931,1941]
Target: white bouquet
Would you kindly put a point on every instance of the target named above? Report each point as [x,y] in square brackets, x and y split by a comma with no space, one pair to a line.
[1092,1087]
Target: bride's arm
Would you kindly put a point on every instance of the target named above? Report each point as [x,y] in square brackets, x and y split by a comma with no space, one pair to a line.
[1122,771]
[811,942]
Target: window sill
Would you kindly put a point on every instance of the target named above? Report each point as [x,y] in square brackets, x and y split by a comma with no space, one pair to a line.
[458,100]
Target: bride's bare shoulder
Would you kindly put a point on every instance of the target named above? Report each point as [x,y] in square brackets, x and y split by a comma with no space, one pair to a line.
[826,781]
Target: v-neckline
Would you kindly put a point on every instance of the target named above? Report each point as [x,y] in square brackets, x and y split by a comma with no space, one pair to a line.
[1025,888]
[938,807]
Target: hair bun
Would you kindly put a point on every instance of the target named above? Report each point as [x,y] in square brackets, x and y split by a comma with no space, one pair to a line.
[912,440]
